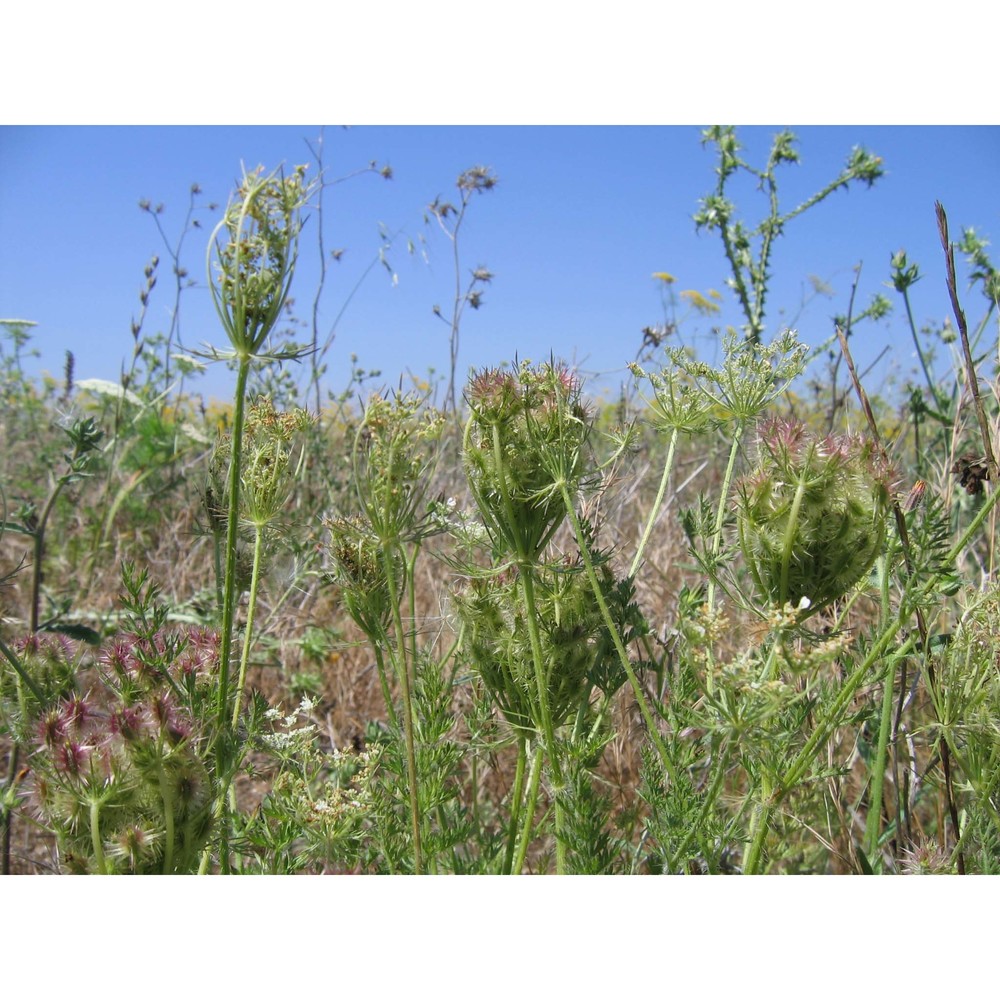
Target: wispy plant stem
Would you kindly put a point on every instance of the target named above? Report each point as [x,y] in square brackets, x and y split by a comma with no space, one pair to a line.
[657,504]
[972,379]
[873,824]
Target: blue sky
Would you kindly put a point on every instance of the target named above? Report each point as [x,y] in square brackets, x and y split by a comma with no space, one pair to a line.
[580,219]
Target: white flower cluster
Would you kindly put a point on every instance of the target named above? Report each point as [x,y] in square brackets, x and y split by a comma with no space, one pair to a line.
[291,738]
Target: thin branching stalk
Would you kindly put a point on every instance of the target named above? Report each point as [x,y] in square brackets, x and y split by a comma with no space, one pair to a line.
[657,503]
[972,378]
[874,820]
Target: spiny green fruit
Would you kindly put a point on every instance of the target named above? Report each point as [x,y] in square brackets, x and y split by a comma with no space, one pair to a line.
[570,629]
[811,516]
[527,434]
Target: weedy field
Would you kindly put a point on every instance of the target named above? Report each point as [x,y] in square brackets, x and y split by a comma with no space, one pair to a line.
[742,620]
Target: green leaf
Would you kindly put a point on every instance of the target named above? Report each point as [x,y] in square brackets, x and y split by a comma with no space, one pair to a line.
[80,632]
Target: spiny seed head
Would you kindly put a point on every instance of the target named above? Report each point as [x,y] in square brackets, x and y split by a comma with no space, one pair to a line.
[570,628]
[526,439]
[361,571]
[129,723]
[52,727]
[71,758]
[165,715]
[811,515]
[135,845]
[200,656]
[50,647]
[492,393]
[78,713]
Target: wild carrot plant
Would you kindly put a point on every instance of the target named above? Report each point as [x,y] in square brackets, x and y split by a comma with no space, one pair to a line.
[550,646]
[376,551]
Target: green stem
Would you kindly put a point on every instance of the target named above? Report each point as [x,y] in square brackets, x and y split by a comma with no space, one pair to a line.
[760,821]
[22,673]
[717,543]
[516,796]
[760,824]
[526,577]
[411,595]
[220,599]
[384,682]
[168,816]
[707,803]
[258,549]
[230,595]
[841,703]
[526,571]
[534,777]
[657,503]
[788,542]
[873,824]
[95,837]
[7,808]
[39,551]
[398,654]
[938,403]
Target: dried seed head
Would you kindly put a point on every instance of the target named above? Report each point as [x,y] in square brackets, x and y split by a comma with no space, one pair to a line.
[972,472]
